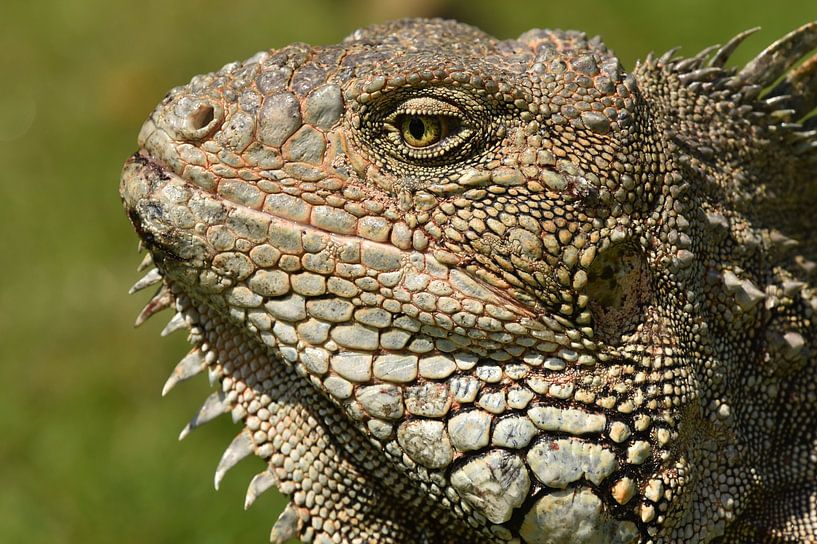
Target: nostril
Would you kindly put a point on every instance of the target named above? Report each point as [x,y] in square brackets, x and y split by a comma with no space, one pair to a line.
[194,119]
[202,117]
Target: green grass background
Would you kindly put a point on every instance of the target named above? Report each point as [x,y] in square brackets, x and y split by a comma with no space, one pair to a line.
[88,449]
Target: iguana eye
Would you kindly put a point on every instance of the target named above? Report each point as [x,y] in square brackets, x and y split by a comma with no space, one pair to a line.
[426,130]
[423,130]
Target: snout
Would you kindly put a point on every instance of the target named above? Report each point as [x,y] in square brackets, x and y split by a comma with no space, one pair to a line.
[157,203]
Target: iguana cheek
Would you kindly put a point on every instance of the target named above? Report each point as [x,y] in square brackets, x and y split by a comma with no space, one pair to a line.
[417,352]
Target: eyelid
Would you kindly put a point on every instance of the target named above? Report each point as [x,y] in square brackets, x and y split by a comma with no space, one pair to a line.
[461,129]
[425,105]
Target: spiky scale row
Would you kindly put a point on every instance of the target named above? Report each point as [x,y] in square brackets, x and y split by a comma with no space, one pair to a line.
[191,365]
[779,57]
[800,88]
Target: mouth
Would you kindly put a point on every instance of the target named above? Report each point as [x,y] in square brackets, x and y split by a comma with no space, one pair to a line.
[178,221]
[342,307]
[301,264]
[145,189]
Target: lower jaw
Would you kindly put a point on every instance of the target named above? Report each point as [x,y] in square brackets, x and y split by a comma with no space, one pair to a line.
[329,469]
[294,428]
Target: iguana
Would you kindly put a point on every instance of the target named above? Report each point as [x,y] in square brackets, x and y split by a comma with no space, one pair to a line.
[461,290]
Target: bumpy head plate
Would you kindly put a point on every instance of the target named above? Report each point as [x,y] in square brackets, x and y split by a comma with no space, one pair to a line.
[467,290]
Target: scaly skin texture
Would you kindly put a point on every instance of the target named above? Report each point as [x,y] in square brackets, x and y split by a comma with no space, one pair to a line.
[459,289]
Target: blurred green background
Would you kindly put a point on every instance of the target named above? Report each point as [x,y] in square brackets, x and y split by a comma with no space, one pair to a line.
[88,449]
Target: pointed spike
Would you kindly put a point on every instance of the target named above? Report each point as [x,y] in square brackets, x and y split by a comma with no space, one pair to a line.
[781,244]
[140,246]
[775,101]
[667,57]
[151,278]
[147,262]
[809,267]
[792,287]
[773,61]
[750,92]
[706,52]
[162,300]
[782,115]
[260,483]
[213,407]
[699,75]
[795,137]
[189,366]
[286,527]
[213,375]
[241,446]
[717,220]
[801,140]
[176,323]
[802,147]
[725,52]
[687,65]
[746,293]
[806,148]
[238,413]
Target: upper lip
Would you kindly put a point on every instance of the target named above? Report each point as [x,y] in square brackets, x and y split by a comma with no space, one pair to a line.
[142,178]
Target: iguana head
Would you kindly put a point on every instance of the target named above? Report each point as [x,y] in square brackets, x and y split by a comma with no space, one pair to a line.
[510,286]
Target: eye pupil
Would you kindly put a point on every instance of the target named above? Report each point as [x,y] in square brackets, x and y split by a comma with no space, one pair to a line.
[420,131]
[425,128]
[417,128]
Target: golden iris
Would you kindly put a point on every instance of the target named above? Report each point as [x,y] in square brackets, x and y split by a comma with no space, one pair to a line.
[422,130]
